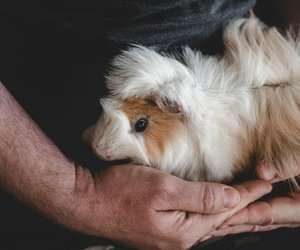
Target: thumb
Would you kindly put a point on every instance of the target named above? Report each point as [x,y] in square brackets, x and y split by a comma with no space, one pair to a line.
[203,197]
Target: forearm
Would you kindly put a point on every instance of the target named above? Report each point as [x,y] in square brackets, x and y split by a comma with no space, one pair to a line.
[33,169]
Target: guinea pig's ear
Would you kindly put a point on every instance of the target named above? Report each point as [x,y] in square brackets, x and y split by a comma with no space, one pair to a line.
[88,134]
[168,105]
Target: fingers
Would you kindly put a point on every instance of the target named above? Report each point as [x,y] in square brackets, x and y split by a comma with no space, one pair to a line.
[251,191]
[276,211]
[249,228]
[285,210]
[276,226]
[204,200]
[240,229]
[270,174]
[203,197]
[258,213]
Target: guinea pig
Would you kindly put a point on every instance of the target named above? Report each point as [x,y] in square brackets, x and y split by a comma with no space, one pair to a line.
[206,118]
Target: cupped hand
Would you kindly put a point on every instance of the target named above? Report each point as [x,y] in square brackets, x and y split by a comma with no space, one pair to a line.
[149,209]
[273,213]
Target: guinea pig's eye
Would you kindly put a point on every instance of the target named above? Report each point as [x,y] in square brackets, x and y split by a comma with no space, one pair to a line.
[141,125]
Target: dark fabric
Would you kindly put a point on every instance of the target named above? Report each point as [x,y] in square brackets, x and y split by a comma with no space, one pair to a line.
[159,23]
[165,24]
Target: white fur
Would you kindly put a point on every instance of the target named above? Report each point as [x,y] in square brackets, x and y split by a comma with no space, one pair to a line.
[215,94]
[113,135]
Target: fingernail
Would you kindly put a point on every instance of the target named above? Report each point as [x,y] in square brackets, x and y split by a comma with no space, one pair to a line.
[269,174]
[231,198]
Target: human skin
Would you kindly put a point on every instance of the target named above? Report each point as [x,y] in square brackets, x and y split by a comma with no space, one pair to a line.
[135,205]
[276,212]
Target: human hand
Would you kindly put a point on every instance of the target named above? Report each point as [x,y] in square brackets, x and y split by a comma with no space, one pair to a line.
[273,213]
[149,209]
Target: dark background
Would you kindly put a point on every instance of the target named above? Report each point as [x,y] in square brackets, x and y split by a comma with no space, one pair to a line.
[57,76]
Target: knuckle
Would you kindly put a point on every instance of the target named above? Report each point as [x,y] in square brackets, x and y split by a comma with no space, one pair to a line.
[208,198]
[268,215]
[264,213]
[269,220]
[162,192]
[165,189]
[224,232]
[255,228]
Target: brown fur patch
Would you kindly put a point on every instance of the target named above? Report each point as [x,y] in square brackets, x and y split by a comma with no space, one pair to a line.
[163,126]
[278,132]
[275,140]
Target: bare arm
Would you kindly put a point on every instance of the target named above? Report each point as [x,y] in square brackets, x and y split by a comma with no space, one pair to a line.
[32,168]
[136,205]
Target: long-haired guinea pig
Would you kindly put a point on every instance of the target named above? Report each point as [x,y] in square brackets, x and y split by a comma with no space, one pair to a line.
[206,117]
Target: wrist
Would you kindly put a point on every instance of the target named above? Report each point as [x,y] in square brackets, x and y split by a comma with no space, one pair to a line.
[83,208]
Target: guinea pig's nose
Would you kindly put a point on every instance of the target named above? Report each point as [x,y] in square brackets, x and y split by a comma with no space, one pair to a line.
[103,152]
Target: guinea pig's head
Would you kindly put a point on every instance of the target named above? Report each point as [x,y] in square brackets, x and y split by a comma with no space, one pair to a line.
[141,129]
[143,116]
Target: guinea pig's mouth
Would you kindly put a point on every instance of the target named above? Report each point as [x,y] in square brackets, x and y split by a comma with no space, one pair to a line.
[101,157]
[110,157]
[113,162]
[104,153]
